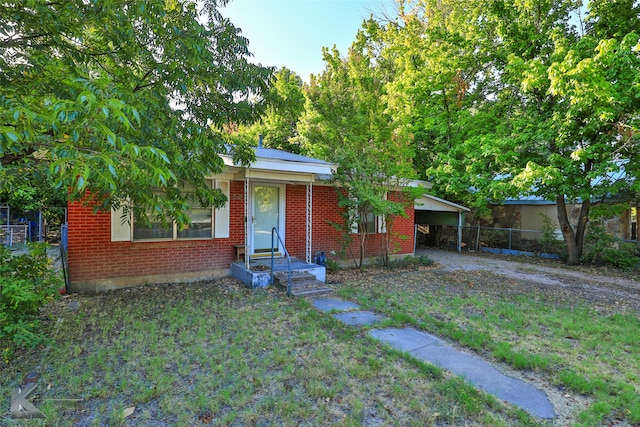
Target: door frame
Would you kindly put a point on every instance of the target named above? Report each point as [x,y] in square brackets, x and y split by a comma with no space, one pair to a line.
[281,213]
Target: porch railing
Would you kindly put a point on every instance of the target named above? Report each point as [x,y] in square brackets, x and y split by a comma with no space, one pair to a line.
[274,234]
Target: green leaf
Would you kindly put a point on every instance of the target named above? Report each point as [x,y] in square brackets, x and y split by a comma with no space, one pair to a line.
[12,136]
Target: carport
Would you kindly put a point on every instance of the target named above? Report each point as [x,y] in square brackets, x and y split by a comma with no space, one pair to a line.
[435,212]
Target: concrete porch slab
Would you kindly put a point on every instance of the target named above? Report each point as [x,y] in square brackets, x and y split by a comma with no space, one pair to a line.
[259,273]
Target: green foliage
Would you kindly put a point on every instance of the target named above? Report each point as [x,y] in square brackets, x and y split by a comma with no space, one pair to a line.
[601,248]
[284,104]
[333,265]
[410,262]
[346,122]
[510,99]
[549,242]
[109,100]
[27,282]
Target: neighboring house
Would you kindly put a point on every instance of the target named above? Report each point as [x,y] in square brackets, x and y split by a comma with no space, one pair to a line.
[280,189]
[528,213]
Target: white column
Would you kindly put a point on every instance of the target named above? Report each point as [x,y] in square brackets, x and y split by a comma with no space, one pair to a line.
[459,231]
[309,231]
[246,223]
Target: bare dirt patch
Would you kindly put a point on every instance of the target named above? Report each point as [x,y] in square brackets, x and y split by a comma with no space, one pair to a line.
[600,286]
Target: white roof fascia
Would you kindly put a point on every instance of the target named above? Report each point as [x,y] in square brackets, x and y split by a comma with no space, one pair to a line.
[278,175]
[432,203]
[286,166]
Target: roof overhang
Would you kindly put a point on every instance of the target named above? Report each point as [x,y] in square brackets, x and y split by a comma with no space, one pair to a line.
[432,203]
[281,170]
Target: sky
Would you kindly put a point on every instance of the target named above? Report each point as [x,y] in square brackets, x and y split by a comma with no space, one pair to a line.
[291,33]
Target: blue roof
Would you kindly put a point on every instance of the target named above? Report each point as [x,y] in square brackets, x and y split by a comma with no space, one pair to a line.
[608,179]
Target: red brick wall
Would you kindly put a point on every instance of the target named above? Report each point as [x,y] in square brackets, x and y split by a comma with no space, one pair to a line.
[93,256]
[296,220]
[326,238]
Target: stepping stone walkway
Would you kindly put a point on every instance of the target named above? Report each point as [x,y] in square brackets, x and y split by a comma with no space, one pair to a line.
[433,350]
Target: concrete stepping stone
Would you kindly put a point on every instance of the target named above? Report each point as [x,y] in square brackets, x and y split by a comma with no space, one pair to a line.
[358,318]
[328,304]
[475,370]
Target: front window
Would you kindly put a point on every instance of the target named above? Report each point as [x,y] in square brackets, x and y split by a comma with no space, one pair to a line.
[155,230]
[369,222]
[201,226]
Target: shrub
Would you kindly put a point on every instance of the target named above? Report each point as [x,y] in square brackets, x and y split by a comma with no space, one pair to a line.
[601,248]
[551,242]
[27,282]
[410,262]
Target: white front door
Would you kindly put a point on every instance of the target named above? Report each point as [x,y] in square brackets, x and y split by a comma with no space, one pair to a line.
[267,212]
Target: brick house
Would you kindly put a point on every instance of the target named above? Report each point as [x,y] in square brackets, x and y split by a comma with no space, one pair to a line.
[280,189]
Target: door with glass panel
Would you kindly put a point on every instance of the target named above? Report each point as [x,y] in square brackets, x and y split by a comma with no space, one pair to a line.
[266,213]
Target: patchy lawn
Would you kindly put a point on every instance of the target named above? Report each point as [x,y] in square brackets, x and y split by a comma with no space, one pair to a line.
[567,331]
[219,354]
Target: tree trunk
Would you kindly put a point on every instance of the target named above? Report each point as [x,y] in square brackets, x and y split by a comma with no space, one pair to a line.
[386,248]
[583,219]
[573,253]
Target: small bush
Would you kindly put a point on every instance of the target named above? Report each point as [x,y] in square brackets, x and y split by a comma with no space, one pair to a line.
[333,265]
[410,262]
[27,282]
[601,248]
[550,242]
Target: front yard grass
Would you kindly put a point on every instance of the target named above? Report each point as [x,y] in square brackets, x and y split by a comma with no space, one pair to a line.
[219,354]
[580,342]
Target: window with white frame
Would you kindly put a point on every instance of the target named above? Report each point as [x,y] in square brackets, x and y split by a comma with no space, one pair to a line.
[152,229]
[206,223]
[371,223]
[201,226]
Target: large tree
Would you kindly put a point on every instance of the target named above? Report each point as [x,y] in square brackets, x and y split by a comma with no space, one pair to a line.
[113,98]
[278,124]
[346,122]
[513,98]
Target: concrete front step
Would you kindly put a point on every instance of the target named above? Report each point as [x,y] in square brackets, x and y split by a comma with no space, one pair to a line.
[302,284]
[280,277]
[310,287]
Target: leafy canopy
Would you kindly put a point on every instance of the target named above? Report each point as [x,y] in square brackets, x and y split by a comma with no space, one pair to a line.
[113,98]
[346,122]
[508,98]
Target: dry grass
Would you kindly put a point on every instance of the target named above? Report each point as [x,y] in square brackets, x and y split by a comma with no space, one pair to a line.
[219,354]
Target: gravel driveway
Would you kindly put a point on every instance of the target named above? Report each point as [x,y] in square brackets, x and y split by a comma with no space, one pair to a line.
[598,285]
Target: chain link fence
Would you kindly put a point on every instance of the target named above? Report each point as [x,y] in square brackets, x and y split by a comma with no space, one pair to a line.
[490,239]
